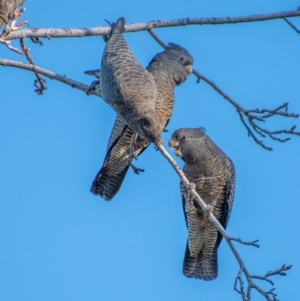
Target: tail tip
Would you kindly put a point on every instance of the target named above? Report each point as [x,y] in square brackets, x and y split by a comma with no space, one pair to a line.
[200,276]
[120,22]
[118,27]
[199,267]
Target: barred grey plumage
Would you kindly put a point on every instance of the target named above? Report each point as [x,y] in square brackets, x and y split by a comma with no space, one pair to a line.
[169,69]
[128,87]
[213,174]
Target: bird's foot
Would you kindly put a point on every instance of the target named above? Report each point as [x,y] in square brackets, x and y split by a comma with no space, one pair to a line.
[11,26]
[132,156]
[189,186]
[94,88]
[132,148]
[208,210]
[13,19]
[136,170]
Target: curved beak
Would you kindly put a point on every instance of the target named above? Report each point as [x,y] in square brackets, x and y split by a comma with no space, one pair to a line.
[189,69]
[173,143]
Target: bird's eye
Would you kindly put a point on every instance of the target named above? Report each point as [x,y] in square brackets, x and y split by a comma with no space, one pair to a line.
[182,59]
[145,122]
[183,138]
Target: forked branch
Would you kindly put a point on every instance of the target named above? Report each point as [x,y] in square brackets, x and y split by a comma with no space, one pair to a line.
[253,243]
[239,284]
[254,116]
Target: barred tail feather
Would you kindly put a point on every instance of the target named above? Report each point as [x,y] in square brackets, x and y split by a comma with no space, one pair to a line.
[107,186]
[200,267]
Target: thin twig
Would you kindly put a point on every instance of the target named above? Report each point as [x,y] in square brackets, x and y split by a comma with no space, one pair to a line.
[281,110]
[247,243]
[292,25]
[39,83]
[50,74]
[157,38]
[219,90]
[250,133]
[239,280]
[95,31]
[281,271]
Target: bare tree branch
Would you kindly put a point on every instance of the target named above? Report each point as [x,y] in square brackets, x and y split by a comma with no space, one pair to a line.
[50,74]
[256,114]
[95,31]
[246,295]
[157,38]
[241,289]
[250,133]
[251,115]
[281,271]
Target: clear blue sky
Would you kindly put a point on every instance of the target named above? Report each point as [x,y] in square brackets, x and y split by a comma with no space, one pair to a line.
[60,242]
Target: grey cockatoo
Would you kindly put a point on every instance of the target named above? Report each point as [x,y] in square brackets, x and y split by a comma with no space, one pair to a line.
[169,69]
[213,174]
[128,87]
